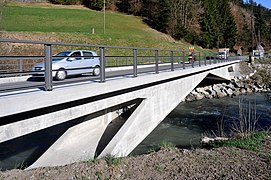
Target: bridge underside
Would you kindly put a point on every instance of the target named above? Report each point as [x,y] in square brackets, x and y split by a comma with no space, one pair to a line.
[112,125]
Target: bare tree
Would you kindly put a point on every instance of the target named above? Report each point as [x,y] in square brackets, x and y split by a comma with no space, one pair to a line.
[135,6]
[184,14]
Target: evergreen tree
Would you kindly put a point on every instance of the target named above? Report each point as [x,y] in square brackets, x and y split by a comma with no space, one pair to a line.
[229,29]
[218,25]
[209,24]
[261,26]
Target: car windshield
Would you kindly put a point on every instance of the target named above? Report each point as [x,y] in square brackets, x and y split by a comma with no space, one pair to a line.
[59,56]
[65,53]
[221,53]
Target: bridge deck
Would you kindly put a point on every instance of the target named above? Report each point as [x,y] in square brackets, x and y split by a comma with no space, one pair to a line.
[26,100]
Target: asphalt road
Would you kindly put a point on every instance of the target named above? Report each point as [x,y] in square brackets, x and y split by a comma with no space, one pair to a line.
[38,83]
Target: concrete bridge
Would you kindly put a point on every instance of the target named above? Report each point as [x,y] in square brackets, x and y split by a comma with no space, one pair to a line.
[91,119]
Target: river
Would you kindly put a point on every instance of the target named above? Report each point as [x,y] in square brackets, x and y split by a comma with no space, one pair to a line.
[188,122]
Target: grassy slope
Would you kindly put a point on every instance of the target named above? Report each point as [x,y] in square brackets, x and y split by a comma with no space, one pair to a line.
[73,24]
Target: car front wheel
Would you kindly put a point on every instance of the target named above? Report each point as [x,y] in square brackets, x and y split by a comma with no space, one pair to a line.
[61,74]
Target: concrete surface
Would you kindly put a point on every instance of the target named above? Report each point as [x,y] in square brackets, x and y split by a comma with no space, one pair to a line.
[161,93]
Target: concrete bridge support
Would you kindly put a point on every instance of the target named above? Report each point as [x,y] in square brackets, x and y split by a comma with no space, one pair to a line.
[158,102]
[152,97]
[77,143]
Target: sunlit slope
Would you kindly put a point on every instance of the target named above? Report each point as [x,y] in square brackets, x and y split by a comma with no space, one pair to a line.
[75,23]
[20,18]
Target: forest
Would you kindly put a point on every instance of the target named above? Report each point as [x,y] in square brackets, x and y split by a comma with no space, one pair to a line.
[207,23]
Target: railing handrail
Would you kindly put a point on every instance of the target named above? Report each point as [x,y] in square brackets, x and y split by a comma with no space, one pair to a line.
[157,56]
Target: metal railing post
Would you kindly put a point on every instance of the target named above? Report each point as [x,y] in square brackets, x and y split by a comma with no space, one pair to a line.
[172,61]
[135,62]
[199,59]
[156,62]
[205,63]
[102,63]
[193,60]
[48,68]
[106,62]
[20,66]
[183,61]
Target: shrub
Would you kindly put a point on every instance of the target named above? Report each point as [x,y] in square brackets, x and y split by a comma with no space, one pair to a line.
[186,34]
[112,161]
[166,144]
[66,2]
[248,119]
[94,4]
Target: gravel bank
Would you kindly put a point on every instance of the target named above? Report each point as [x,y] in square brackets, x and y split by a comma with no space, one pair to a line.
[255,79]
[220,163]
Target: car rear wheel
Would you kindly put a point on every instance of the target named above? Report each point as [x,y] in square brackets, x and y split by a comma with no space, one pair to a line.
[61,74]
[96,71]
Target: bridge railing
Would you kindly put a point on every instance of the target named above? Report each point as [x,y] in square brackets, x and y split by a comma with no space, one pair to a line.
[14,62]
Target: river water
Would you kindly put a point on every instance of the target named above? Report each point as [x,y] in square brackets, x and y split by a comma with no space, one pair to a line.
[188,122]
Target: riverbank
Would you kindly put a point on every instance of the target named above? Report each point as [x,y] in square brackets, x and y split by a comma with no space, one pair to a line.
[255,78]
[167,163]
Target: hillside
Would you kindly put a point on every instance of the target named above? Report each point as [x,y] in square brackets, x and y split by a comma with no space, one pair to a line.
[203,24]
[73,24]
[244,18]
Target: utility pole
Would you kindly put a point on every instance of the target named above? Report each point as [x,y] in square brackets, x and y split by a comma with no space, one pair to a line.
[252,27]
[104,16]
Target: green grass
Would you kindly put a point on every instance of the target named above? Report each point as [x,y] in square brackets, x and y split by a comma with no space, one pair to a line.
[253,142]
[39,19]
[66,20]
[73,25]
[163,144]
[166,144]
[113,161]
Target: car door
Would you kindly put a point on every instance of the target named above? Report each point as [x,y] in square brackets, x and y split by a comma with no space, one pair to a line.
[75,63]
[88,61]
